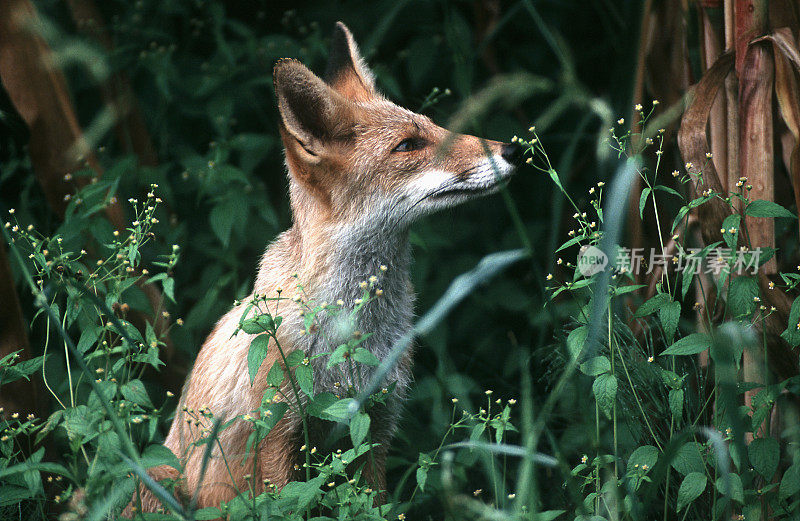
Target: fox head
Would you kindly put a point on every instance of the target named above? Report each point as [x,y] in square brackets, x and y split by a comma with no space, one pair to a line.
[354,156]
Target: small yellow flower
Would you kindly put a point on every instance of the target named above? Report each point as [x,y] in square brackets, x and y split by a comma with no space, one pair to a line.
[549,276]
[638,106]
[650,359]
[584,458]
[621,121]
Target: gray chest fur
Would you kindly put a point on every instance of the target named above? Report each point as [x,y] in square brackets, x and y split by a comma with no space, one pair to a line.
[386,317]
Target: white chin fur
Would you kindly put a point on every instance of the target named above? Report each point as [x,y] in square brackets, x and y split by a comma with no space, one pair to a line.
[435,189]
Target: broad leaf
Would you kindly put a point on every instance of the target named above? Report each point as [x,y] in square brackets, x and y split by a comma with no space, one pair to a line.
[692,486]
[689,345]
[256,355]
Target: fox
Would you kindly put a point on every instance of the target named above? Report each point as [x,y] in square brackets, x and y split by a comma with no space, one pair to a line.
[361,170]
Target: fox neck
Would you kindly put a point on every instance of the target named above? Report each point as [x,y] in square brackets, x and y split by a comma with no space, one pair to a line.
[351,255]
[337,254]
[347,255]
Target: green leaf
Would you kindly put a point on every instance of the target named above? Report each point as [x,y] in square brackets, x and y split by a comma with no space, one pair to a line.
[692,486]
[207,514]
[668,190]
[13,495]
[731,222]
[630,288]
[77,423]
[733,481]
[359,427]
[643,201]
[644,455]
[422,477]
[295,358]
[256,355]
[792,333]
[595,366]
[259,324]
[224,215]
[741,296]
[365,357]
[275,376]
[679,217]
[605,392]
[159,454]
[761,208]
[689,345]
[764,454]
[89,337]
[676,403]
[576,340]
[790,483]
[22,369]
[571,242]
[304,492]
[687,276]
[316,407]
[338,355]
[652,305]
[339,410]
[305,379]
[169,288]
[135,392]
[670,314]
[688,459]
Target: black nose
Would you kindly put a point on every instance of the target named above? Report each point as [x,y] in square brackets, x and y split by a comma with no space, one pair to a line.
[512,153]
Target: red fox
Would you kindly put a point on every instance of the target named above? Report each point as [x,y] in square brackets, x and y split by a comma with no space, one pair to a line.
[361,170]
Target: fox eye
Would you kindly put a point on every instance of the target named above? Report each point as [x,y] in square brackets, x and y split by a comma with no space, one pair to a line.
[409,145]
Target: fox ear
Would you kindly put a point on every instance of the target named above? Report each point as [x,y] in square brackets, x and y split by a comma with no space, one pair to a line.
[310,110]
[347,72]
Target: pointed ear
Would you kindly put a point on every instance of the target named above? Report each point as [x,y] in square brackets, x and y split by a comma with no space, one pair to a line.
[310,110]
[346,72]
